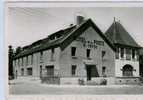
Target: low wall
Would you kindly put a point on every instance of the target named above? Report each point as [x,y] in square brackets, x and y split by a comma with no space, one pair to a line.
[70,80]
[94,81]
[110,80]
[127,80]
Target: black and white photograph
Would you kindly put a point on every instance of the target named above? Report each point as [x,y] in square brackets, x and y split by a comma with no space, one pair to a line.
[75,50]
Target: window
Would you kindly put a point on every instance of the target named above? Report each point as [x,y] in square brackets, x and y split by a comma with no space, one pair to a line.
[22,62]
[31,59]
[103,53]
[103,70]
[27,60]
[88,53]
[117,53]
[73,70]
[133,54]
[41,56]
[137,55]
[122,52]
[128,54]
[73,51]
[52,53]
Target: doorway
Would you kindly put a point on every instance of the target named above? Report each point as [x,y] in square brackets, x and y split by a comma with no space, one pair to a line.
[50,70]
[128,70]
[91,71]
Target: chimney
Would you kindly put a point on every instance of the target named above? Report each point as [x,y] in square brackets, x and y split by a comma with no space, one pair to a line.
[79,19]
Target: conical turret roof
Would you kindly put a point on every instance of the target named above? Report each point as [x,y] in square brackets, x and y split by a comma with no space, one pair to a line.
[117,34]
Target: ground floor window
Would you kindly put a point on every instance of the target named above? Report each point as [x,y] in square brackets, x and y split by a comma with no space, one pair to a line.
[29,71]
[127,70]
[104,71]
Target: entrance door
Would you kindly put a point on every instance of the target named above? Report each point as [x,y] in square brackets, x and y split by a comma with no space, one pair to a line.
[50,70]
[127,70]
[91,71]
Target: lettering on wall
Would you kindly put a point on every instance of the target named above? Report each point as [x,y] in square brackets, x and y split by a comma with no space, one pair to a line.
[90,44]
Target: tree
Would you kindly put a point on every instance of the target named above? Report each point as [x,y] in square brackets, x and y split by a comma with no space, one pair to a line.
[10,60]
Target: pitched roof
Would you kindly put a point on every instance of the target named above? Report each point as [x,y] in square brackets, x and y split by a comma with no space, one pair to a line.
[45,43]
[67,36]
[117,34]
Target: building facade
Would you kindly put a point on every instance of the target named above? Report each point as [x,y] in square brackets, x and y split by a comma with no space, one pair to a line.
[82,51]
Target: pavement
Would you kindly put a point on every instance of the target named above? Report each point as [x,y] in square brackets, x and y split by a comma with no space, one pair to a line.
[34,86]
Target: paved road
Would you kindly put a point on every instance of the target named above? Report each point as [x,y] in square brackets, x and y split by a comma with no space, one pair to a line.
[37,88]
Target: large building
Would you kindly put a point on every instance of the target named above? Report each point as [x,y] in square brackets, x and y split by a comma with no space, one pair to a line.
[82,51]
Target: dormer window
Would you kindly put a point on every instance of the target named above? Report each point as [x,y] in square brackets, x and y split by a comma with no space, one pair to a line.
[73,51]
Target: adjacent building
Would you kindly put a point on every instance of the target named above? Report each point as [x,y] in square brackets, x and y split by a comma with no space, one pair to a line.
[82,51]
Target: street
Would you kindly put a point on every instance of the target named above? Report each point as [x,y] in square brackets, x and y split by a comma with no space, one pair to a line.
[31,87]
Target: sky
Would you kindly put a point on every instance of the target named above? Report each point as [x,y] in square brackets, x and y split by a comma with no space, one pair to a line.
[26,25]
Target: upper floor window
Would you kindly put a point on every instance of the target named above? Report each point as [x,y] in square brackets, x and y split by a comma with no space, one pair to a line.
[73,51]
[103,53]
[27,60]
[117,53]
[73,70]
[128,54]
[31,59]
[122,52]
[22,62]
[133,53]
[88,53]
[41,56]
[52,53]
